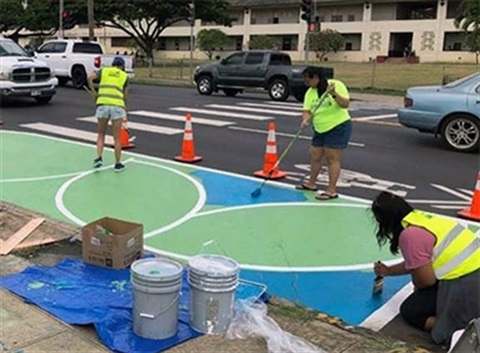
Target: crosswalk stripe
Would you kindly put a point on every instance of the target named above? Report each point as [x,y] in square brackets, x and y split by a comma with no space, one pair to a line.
[261,105]
[254,110]
[287,104]
[68,132]
[375,117]
[181,118]
[143,127]
[218,113]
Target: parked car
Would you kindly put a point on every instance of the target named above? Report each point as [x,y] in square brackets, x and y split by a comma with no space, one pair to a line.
[21,75]
[270,70]
[451,111]
[73,60]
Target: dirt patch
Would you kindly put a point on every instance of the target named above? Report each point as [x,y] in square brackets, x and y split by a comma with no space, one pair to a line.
[13,218]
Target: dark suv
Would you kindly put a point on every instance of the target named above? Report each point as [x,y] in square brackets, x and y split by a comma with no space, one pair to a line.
[270,70]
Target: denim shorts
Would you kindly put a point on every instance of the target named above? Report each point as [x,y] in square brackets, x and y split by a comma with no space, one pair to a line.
[337,138]
[110,112]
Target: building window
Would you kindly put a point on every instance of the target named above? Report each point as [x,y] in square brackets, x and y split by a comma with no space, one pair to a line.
[275,20]
[162,44]
[253,21]
[120,42]
[351,18]
[239,43]
[321,18]
[348,46]
[452,8]
[337,18]
[453,41]
[353,41]
[417,10]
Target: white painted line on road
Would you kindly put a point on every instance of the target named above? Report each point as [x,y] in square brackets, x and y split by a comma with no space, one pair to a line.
[144,127]
[298,105]
[302,137]
[217,113]
[254,110]
[65,131]
[375,117]
[451,191]
[181,118]
[388,311]
[260,105]
[439,202]
[468,192]
[440,207]
[293,178]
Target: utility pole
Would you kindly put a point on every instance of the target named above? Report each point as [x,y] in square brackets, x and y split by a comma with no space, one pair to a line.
[91,21]
[60,20]
[307,17]
[192,39]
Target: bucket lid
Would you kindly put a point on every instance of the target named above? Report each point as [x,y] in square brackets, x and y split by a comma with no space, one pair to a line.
[156,269]
[215,265]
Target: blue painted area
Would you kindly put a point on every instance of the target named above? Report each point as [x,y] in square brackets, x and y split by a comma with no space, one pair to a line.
[347,295]
[224,190]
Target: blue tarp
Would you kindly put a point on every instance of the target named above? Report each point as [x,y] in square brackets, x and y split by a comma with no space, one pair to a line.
[78,293]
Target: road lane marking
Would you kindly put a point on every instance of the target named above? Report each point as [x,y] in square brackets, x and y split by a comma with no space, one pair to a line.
[260,105]
[218,113]
[452,192]
[302,137]
[254,110]
[374,117]
[181,118]
[68,132]
[143,127]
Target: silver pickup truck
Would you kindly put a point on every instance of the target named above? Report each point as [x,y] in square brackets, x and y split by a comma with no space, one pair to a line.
[73,60]
[21,75]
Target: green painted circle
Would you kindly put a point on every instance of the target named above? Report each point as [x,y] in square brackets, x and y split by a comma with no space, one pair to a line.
[161,198]
[30,156]
[292,235]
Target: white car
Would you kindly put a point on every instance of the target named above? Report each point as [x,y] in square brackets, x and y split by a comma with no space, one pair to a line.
[22,75]
[73,60]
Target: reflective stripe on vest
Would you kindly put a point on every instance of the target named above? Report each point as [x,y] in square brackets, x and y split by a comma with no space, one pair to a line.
[457,248]
[111,87]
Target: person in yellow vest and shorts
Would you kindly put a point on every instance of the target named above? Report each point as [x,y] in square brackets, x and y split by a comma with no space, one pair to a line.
[325,107]
[442,257]
[111,105]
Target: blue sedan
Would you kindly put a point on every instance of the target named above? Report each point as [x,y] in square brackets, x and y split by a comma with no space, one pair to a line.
[451,111]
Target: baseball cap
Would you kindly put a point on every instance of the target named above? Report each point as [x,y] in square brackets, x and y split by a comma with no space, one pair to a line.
[118,61]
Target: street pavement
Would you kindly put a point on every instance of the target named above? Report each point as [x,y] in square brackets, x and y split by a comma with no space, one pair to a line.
[230,134]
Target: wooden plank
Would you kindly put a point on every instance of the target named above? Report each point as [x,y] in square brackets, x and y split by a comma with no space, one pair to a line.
[19,236]
[35,242]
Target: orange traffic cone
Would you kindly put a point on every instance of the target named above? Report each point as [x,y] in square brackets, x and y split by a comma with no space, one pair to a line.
[270,164]
[188,145]
[474,211]
[125,139]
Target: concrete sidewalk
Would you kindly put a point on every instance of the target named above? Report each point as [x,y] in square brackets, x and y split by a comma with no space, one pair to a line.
[26,329]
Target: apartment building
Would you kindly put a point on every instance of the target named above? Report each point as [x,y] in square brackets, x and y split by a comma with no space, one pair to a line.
[371,29]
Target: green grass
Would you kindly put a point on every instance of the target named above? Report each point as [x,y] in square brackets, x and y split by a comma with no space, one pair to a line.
[366,77]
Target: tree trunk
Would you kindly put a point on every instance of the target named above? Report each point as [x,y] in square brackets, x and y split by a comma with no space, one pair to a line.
[151,61]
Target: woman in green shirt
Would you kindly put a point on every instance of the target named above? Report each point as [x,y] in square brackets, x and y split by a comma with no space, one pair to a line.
[325,108]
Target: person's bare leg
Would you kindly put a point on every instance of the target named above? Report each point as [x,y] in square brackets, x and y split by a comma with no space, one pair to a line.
[430,323]
[102,131]
[334,158]
[117,126]
[316,156]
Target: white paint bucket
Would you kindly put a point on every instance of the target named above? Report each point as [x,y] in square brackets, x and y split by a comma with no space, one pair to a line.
[213,280]
[156,287]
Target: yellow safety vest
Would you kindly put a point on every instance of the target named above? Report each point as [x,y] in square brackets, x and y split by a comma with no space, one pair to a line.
[457,249]
[111,87]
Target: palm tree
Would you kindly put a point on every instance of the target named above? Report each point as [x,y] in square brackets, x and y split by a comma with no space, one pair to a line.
[468,20]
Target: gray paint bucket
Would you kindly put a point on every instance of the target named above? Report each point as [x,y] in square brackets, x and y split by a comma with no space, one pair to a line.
[213,280]
[156,287]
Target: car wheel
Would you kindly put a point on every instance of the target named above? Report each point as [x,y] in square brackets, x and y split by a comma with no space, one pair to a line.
[278,90]
[79,77]
[230,92]
[205,85]
[461,133]
[62,81]
[43,100]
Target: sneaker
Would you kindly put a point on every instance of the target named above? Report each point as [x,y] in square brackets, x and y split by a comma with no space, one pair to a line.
[119,167]
[98,163]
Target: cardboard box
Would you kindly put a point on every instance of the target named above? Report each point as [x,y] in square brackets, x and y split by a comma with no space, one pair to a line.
[112,243]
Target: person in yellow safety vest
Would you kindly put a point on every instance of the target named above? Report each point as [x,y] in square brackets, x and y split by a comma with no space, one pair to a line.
[443,258]
[111,102]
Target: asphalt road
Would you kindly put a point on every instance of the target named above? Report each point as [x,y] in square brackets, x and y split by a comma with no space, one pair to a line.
[382,156]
